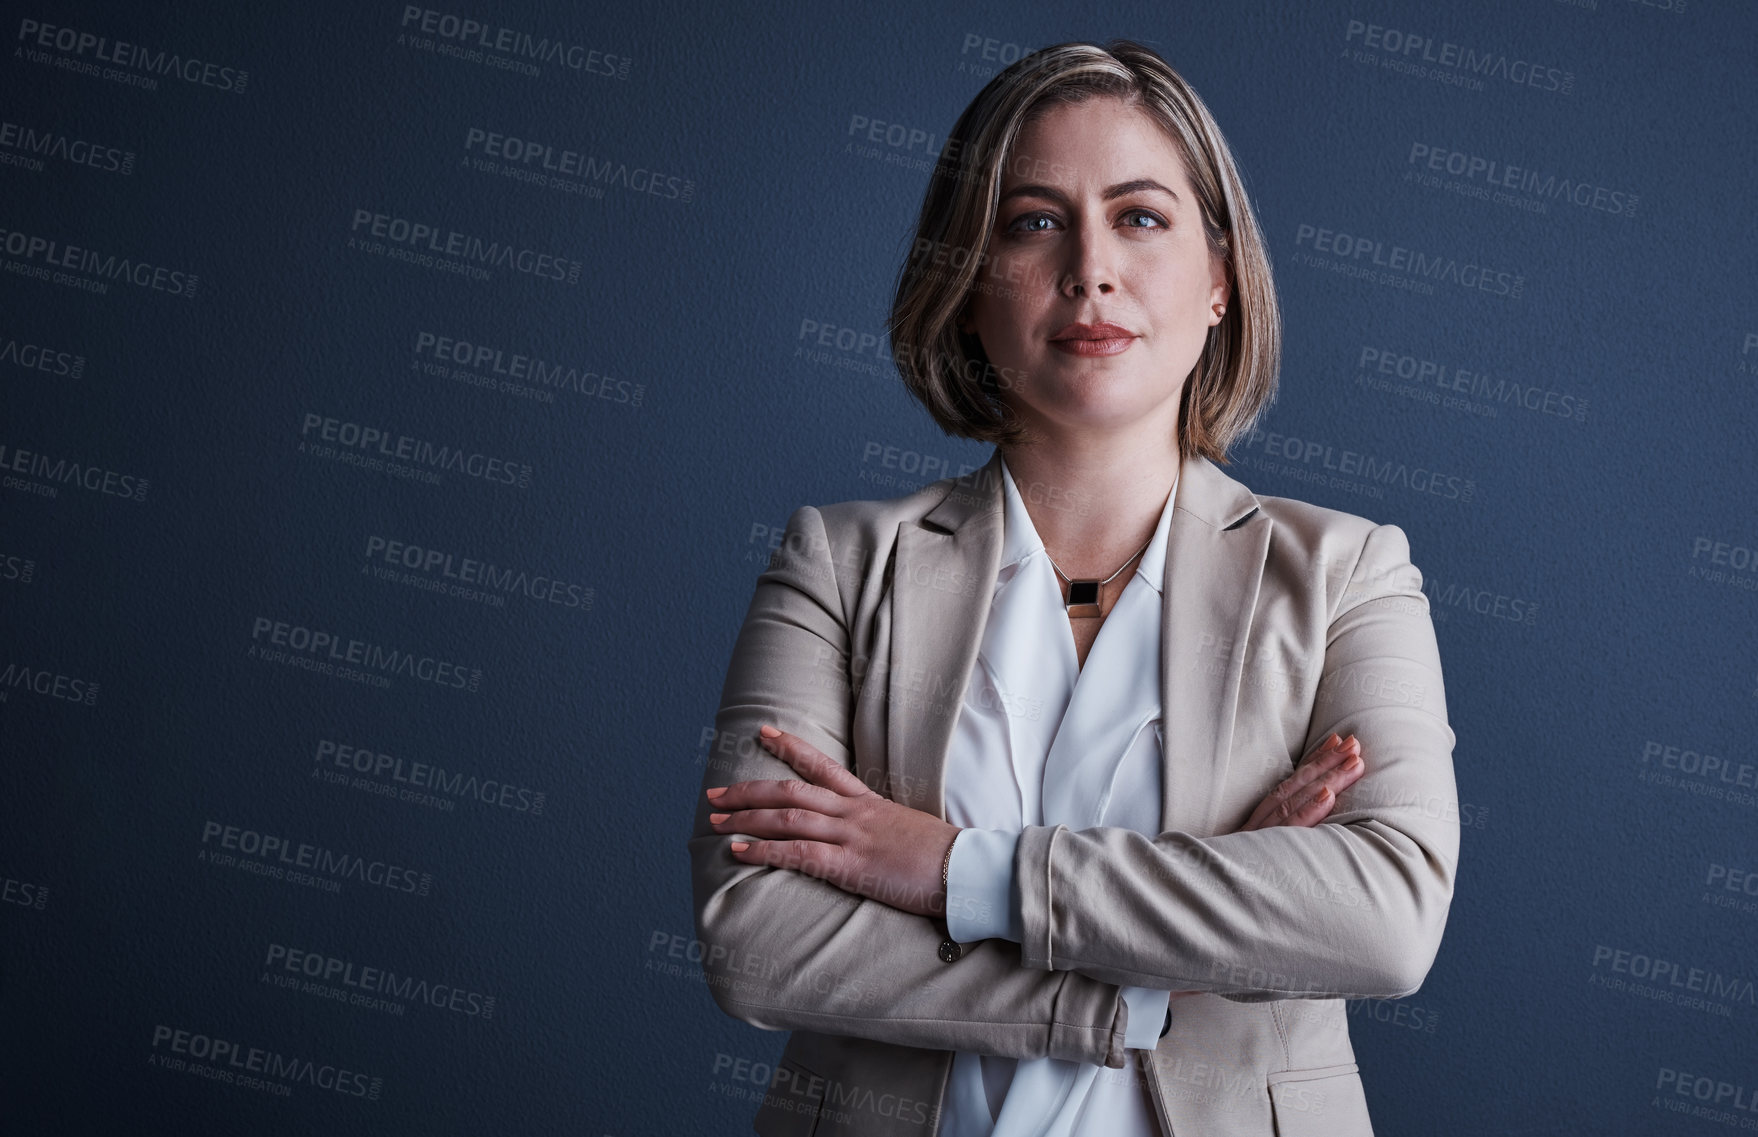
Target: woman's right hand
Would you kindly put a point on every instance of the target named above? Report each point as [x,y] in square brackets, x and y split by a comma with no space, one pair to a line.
[1306,797]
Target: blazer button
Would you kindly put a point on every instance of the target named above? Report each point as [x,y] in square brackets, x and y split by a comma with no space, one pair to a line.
[951,952]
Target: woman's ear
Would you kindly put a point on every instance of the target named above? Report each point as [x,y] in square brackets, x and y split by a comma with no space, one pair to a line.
[1220,281]
[1220,288]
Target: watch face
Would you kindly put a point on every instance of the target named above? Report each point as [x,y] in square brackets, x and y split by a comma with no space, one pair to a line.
[1083,592]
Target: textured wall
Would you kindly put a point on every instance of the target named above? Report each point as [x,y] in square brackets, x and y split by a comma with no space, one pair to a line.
[377,518]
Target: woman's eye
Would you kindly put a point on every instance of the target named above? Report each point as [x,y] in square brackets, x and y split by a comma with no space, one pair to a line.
[1026,223]
[1043,222]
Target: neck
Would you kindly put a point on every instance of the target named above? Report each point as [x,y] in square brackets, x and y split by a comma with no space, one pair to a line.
[1093,499]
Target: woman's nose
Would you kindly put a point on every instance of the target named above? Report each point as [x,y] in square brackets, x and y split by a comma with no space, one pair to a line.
[1091,270]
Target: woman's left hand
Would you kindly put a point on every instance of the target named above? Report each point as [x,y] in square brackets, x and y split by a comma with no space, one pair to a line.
[832,826]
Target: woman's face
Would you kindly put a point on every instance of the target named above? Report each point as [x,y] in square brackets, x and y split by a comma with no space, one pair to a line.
[1097,224]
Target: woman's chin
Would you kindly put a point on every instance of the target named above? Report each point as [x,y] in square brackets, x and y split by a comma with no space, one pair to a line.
[1102,417]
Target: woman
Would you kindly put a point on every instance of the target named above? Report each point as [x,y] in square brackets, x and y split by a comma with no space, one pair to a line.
[939,842]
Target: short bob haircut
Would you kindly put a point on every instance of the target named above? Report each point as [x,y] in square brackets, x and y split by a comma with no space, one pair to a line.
[1235,377]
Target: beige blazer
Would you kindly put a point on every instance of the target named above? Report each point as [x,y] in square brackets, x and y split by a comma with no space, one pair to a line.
[1282,622]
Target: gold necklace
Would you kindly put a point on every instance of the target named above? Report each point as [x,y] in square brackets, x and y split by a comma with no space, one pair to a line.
[1083,594]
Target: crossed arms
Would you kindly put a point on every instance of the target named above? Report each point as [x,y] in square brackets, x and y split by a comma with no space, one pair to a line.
[1354,907]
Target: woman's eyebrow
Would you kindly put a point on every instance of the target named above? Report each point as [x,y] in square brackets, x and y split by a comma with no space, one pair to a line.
[1121,189]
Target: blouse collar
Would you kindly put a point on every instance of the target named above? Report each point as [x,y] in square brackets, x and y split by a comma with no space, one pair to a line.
[1021,538]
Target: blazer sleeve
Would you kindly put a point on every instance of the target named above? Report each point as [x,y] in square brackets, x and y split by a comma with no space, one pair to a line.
[1351,908]
[782,950]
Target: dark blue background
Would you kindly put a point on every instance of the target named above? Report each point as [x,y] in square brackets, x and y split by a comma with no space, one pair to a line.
[570,919]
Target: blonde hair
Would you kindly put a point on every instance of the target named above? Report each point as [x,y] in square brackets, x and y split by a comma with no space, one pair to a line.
[1235,376]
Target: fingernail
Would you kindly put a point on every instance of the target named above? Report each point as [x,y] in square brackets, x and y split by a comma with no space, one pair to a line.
[717,818]
[716,791]
[1324,793]
[739,846]
[1353,764]
[767,731]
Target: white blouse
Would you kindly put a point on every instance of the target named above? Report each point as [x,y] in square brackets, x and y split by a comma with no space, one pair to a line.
[1041,740]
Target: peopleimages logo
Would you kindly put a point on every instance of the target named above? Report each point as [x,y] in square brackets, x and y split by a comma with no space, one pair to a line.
[512,49]
[1419,371]
[43,38]
[519,372]
[332,648]
[1354,463]
[48,683]
[375,988]
[1417,54]
[1495,174]
[40,256]
[1716,1100]
[381,443]
[225,1060]
[23,893]
[1671,982]
[37,357]
[278,856]
[418,240]
[538,160]
[1352,250]
[446,572]
[36,464]
[27,146]
[427,776]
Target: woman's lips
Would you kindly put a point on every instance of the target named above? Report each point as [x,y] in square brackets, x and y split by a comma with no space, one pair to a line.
[1112,346]
[1093,339]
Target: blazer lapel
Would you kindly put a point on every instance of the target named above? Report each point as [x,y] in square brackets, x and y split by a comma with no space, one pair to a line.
[943,583]
[1214,564]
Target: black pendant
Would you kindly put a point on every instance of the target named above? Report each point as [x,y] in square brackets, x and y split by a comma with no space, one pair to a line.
[1083,598]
